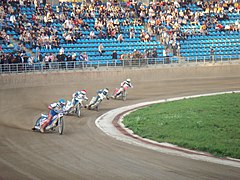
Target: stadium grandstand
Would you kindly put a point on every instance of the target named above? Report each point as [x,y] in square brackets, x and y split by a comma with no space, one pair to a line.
[37,35]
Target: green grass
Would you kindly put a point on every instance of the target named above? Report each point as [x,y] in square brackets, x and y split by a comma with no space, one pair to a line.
[210,124]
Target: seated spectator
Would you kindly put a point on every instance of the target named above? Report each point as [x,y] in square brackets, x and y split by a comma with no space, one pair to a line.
[85,26]
[219,27]
[61,51]
[237,5]
[98,25]
[80,35]
[116,22]
[17,48]
[227,27]
[113,33]
[142,35]
[135,22]
[92,35]
[100,49]
[132,33]
[68,38]
[126,22]
[13,19]
[55,41]
[101,35]
[236,25]
[120,38]
[146,37]
[203,28]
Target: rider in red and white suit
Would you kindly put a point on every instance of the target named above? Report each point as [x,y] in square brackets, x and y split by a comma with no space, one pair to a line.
[124,86]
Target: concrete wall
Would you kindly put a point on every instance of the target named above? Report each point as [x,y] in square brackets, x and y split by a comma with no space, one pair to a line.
[8,81]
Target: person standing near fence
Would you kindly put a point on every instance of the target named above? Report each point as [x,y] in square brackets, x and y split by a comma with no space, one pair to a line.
[85,57]
[164,55]
[212,55]
[114,55]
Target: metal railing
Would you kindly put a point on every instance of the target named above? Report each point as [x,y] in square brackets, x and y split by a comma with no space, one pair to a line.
[81,65]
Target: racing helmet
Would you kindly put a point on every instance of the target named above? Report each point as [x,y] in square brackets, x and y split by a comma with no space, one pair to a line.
[62,102]
[128,80]
[105,91]
[83,92]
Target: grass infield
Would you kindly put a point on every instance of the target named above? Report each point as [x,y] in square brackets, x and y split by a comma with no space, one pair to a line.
[210,124]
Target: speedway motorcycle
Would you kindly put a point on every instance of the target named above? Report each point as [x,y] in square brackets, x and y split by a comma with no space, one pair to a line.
[72,108]
[95,102]
[122,95]
[57,122]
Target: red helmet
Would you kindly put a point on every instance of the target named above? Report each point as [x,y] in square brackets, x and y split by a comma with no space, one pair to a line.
[84,92]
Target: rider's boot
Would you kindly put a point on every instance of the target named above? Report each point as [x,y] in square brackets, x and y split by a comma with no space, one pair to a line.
[42,129]
[44,125]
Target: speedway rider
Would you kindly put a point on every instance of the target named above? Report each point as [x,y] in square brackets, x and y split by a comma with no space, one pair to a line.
[79,96]
[124,86]
[55,108]
[101,94]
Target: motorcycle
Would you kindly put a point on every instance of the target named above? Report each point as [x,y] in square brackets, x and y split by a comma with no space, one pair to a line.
[122,95]
[73,108]
[56,122]
[95,104]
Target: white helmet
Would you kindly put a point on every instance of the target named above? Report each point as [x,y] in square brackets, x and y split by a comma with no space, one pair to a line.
[128,80]
[105,91]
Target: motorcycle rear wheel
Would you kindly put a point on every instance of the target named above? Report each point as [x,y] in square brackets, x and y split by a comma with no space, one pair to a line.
[97,108]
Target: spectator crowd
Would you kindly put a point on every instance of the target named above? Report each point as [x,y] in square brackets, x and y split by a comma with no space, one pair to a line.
[169,20]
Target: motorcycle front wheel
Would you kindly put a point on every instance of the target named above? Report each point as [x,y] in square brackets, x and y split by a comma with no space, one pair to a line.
[78,111]
[60,125]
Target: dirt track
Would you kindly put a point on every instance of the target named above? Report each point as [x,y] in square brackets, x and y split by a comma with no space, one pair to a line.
[84,152]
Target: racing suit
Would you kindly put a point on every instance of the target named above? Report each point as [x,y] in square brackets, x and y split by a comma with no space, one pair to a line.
[124,86]
[55,108]
[101,94]
[79,97]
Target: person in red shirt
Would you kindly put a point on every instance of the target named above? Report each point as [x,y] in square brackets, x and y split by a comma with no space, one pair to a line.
[219,27]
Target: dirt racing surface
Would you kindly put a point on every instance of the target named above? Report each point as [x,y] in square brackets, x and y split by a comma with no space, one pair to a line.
[84,151]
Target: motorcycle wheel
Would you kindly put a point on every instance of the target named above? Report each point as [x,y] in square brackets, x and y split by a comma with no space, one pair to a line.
[97,108]
[89,107]
[36,124]
[60,125]
[78,111]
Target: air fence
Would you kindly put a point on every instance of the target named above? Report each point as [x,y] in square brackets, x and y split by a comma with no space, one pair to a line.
[126,63]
